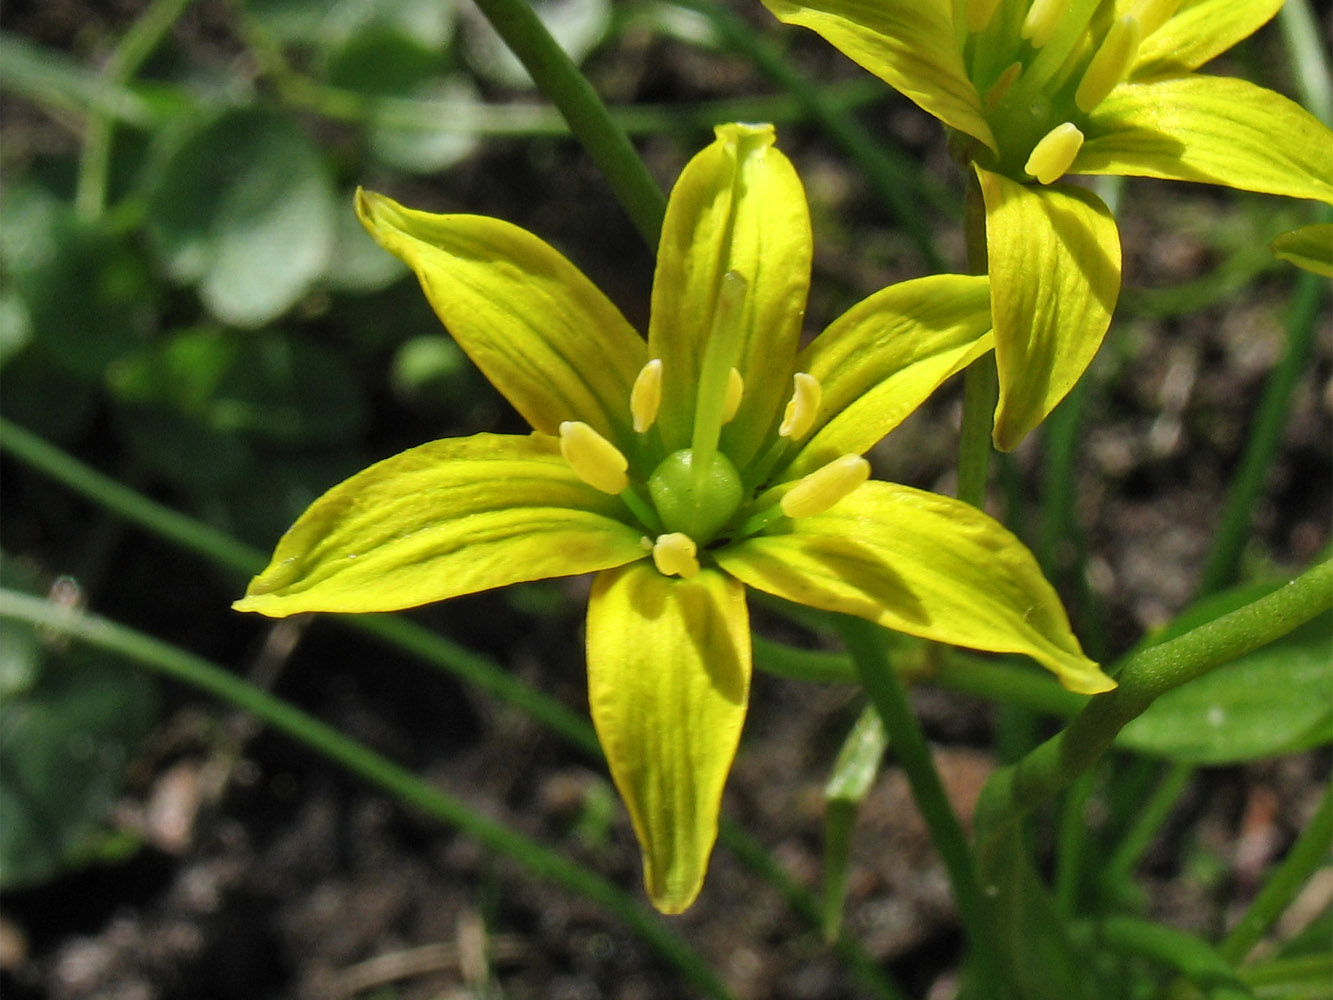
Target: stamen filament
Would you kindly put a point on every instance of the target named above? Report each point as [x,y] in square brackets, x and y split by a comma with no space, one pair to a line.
[676,554]
[593,458]
[645,398]
[821,489]
[1109,65]
[1055,153]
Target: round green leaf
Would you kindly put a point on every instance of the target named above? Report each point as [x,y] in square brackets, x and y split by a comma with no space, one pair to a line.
[244,209]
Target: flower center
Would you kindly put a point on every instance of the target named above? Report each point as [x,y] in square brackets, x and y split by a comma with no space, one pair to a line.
[1042,76]
[698,503]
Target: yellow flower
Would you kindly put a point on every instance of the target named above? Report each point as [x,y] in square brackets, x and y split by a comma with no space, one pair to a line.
[713,456]
[1038,90]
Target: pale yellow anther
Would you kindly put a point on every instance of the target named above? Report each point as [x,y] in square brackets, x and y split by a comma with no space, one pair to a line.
[799,416]
[1001,86]
[593,458]
[1152,14]
[1043,17]
[645,398]
[978,14]
[824,487]
[1110,64]
[1055,153]
[676,554]
[735,390]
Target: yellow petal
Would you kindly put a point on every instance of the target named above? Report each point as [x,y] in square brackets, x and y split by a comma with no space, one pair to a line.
[923,564]
[538,329]
[447,518]
[1199,31]
[1054,257]
[1212,129]
[882,358]
[668,684]
[739,207]
[909,44]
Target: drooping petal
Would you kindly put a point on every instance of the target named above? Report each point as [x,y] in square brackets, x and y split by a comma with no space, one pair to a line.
[668,684]
[1200,30]
[738,206]
[444,519]
[924,564]
[882,358]
[1054,256]
[1212,129]
[909,44]
[538,329]
[1310,247]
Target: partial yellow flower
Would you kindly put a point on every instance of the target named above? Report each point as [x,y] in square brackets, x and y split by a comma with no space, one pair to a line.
[715,456]
[1036,91]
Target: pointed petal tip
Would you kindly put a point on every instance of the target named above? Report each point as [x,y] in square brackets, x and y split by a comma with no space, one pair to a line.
[1087,678]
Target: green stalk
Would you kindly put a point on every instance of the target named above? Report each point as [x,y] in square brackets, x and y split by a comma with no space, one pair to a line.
[981,378]
[569,90]
[470,667]
[1266,429]
[1302,34]
[376,770]
[1014,791]
[889,697]
[1307,855]
[95,156]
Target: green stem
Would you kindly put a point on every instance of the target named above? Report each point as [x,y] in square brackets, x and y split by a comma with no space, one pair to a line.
[1014,791]
[1266,429]
[410,790]
[560,80]
[980,391]
[1306,856]
[1302,34]
[889,697]
[981,378]
[95,156]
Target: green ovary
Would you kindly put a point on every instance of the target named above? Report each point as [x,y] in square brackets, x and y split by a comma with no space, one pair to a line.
[698,503]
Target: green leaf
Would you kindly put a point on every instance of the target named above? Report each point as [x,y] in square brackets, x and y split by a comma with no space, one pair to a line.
[668,686]
[854,772]
[243,207]
[1260,705]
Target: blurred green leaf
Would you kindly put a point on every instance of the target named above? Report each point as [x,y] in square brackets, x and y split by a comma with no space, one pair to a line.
[68,721]
[50,77]
[407,143]
[358,263]
[243,207]
[180,448]
[576,25]
[325,25]
[87,294]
